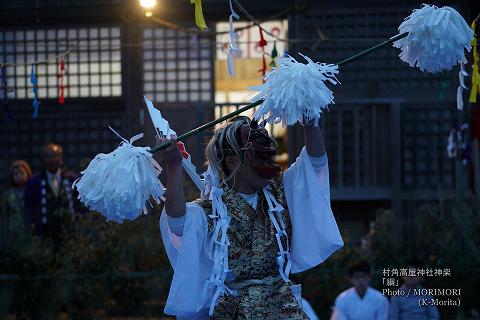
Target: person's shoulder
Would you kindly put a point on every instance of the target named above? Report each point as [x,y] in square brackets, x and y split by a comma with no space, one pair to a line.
[346,294]
[377,294]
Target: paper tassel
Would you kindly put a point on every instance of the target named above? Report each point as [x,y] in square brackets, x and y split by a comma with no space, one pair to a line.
[119,183]
[60,76]
[162,127]
[6,109]
[295,91]
[436,40]
[475,69]
[233,50]
[199,19]
[274,55]
[33,81]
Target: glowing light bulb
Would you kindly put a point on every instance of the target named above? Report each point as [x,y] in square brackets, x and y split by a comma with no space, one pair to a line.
[148,4]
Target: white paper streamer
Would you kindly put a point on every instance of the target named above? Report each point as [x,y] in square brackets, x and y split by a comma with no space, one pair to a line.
[119,183]
[436,40]
[461,78]
[162,127]
[295,91]
[233,50]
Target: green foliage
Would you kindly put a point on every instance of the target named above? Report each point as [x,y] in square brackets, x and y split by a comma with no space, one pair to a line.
[99,265]
[445,235]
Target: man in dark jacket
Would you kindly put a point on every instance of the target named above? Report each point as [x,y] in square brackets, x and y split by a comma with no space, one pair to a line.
[48,197]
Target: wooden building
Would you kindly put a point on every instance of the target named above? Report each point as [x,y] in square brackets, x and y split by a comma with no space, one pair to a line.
[386,134]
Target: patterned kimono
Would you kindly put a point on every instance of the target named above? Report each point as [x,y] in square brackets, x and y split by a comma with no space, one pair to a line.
[252,254]
[254,288]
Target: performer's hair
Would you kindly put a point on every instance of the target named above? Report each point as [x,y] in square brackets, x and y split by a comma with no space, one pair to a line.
[360,266]
[226,141]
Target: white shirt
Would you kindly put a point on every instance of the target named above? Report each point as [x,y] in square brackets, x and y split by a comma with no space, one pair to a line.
[349,306]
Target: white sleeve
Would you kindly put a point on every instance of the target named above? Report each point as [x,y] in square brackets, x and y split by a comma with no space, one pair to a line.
[176,224]
[383,309]
[190,262]
[315,234]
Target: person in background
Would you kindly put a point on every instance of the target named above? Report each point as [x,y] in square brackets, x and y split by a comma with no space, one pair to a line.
[12,213]
[361,301]
[48,197]
[406,307]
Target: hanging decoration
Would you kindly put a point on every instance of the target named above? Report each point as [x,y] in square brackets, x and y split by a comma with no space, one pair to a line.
[233,50]
[274,55]
[261,44]
[33,81]
[60,76]
[475,69]
[461,78]
[199,19]
[6,109]
[435,40]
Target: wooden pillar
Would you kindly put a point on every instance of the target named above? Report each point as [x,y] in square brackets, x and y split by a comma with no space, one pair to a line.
[132,80]
[396,171]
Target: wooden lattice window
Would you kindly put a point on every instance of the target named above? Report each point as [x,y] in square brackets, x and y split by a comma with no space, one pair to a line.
[177,66]
[425,131]
[92,69]
[339,34]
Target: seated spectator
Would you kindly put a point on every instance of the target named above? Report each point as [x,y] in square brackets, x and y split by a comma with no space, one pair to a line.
[48,197]
[360,302]
[406,307]
[12,216]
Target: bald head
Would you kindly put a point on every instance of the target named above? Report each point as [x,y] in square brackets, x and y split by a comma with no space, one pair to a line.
[52,157]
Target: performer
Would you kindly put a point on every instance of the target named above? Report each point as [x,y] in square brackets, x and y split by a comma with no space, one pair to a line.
[232,251]
[48,197]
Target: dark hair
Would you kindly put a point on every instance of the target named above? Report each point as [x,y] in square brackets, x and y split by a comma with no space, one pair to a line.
[413,262]
[359,266]
[18,164]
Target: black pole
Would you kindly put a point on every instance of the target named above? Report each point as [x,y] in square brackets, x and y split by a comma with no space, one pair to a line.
[251,105]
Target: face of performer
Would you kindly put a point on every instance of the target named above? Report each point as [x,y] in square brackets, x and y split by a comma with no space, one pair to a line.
[19,176]
[52,158]
[360,281]
[246,180]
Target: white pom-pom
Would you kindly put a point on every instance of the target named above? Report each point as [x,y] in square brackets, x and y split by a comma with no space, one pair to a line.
[119,183]
[295,91]
[436,40]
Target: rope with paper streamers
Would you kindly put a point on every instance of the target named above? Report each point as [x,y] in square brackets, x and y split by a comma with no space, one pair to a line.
[34,81]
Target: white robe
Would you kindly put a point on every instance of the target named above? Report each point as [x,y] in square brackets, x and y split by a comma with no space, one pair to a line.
[349,306]
[315,236]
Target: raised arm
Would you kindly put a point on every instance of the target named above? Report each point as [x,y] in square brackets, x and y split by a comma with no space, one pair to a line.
[314,140]
[175,206]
